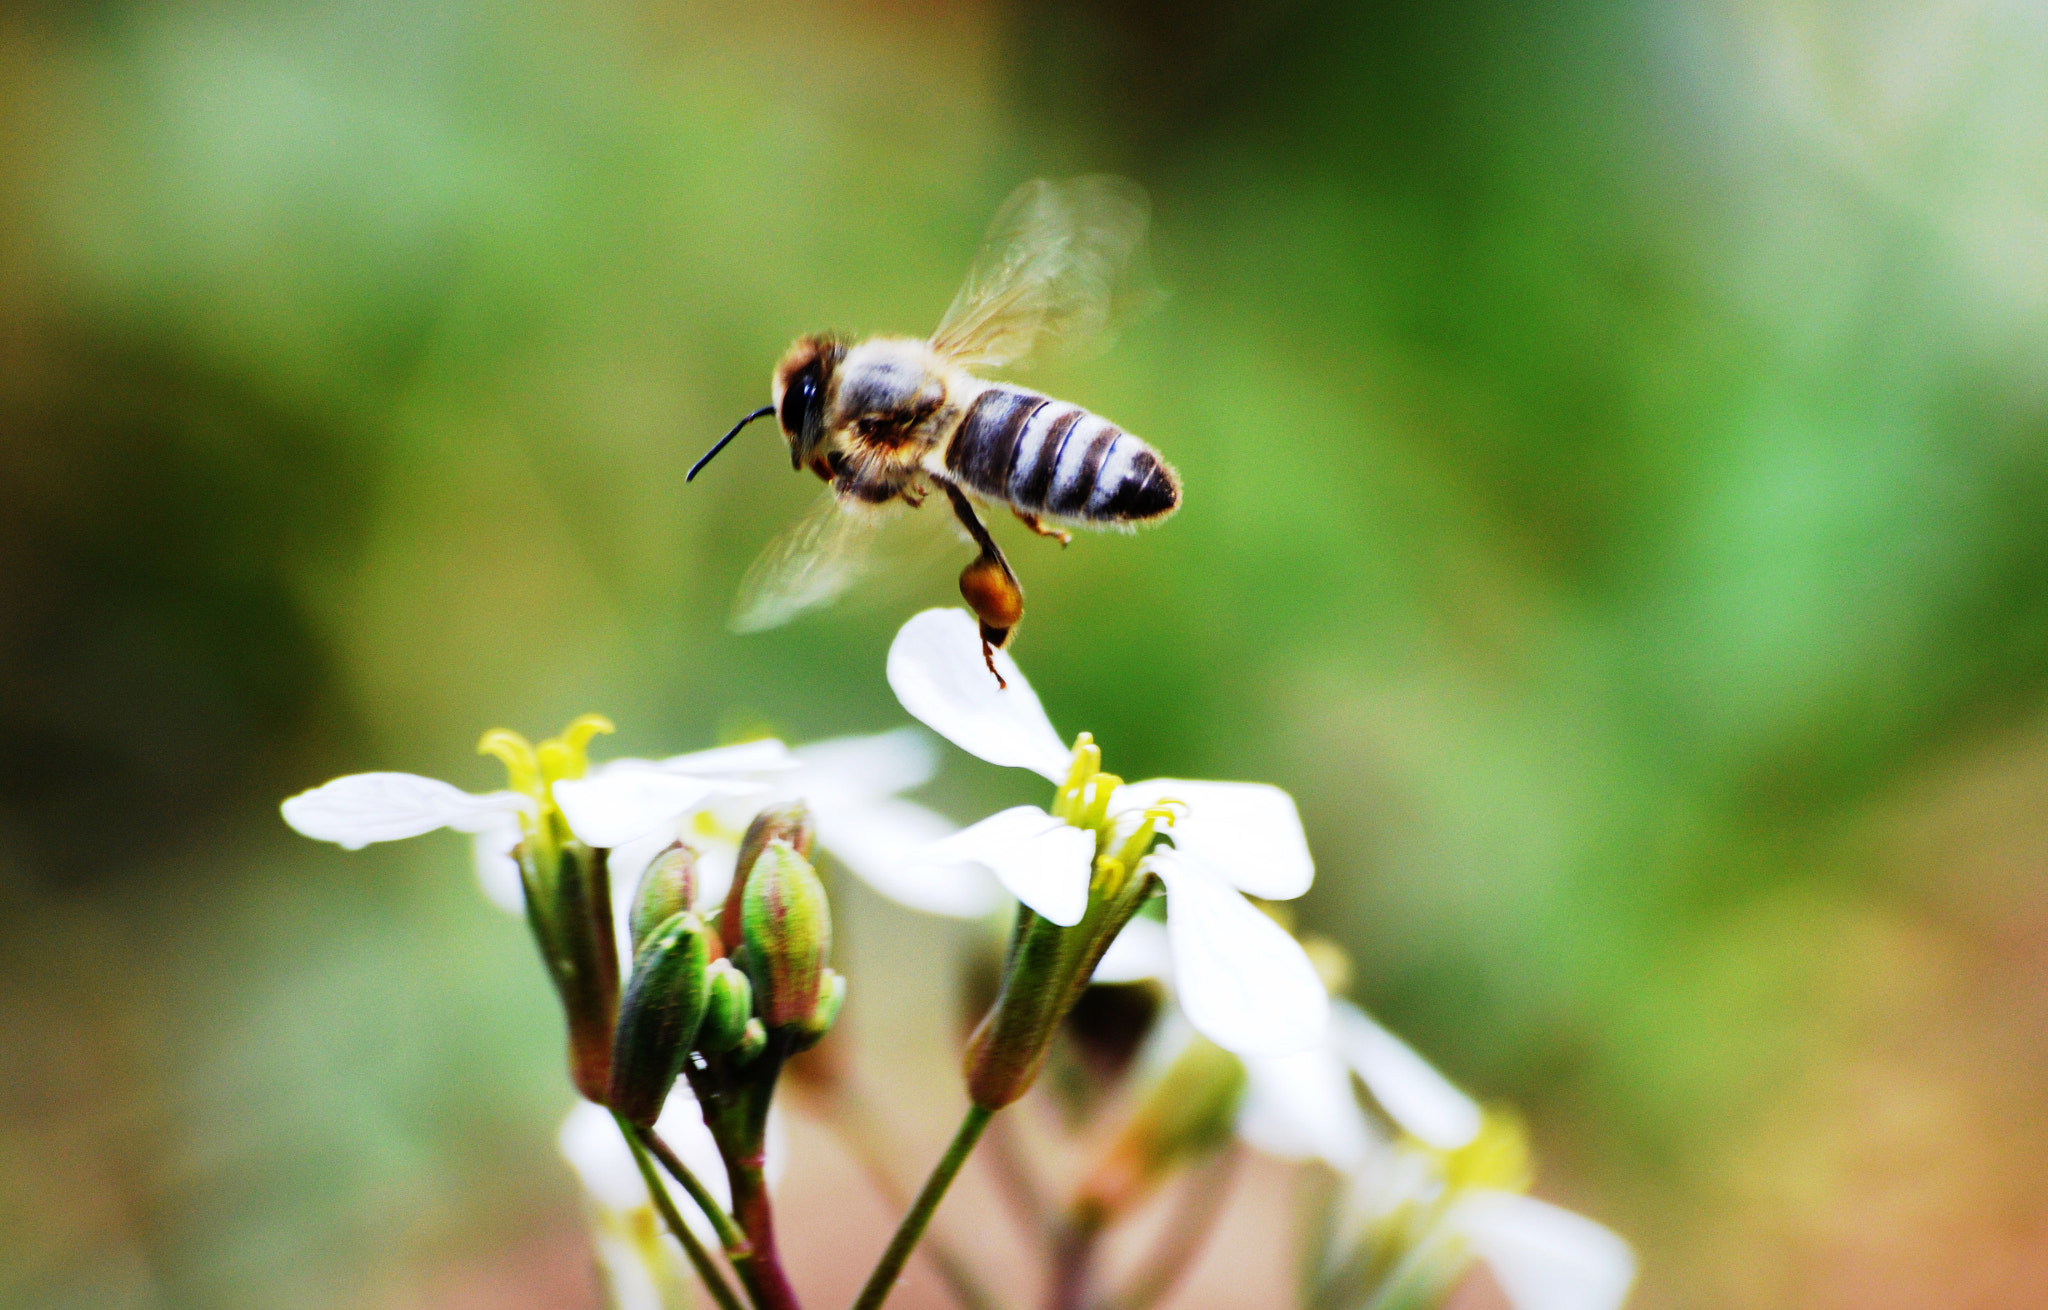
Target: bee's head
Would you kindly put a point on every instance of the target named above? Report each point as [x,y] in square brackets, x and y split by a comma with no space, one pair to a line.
[803,381]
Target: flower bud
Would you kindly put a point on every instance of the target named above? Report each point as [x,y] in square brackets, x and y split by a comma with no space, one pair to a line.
[752,1043]
[667,888]
[787,927]
[786,823]
[568,906]
[658,1020]
[728,1007]
[831,996]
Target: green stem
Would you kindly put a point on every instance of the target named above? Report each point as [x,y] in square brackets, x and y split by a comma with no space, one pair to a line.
[737,1248]
[714,1282]
[860,1131]
[890,1267]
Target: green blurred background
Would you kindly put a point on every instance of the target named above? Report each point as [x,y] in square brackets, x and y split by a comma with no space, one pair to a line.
[1616,454]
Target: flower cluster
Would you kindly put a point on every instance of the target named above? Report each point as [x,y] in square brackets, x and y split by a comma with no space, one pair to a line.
[678,913]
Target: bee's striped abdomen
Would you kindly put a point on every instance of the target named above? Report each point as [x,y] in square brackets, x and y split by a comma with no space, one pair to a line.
[1046,456]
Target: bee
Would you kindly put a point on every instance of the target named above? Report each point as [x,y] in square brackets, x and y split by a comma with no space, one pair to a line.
[886,420]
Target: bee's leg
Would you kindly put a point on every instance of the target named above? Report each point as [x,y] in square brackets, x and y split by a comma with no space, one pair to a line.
[987,584]
[1037,524]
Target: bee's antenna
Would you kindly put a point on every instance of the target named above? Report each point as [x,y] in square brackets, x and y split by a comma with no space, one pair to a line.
[726,440]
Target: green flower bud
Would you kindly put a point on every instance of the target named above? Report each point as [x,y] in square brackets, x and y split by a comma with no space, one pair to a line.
[568,906]
[752,1043]
[667,888]
[789,823]
[831,996]
[787,926]
[659,1018]
[728,1009]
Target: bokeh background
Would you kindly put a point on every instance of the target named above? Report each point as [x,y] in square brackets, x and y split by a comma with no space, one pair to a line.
[1616,450]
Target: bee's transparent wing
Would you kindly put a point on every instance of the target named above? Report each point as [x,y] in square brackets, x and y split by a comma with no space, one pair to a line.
[811,564]
[838,545]
[1063,263]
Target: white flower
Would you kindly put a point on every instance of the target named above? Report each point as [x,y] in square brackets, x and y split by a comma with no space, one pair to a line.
[590,1141]
[1443,1192]
[849,784]
[1243,982]
[1301,1105]
[361,808]
[1544,1257]
[624,799]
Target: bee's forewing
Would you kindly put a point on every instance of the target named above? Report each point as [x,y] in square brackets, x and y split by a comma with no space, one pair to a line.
[810,564]
[1062,263]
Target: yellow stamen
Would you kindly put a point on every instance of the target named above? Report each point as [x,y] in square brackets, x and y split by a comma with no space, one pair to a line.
[1109,876]
[1094,800]
[1497,1158]
[1140,841]
[706,824]
[1087,763]
[566,756]
[514,751]
[1332,965]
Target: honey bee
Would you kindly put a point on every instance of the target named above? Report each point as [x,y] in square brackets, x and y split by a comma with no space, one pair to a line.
[887,419]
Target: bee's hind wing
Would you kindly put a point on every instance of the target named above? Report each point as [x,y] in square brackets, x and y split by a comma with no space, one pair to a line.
[810,564]
[887,551]
[1062,263]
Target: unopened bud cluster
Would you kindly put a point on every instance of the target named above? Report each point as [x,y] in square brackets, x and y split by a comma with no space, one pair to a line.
[724,993]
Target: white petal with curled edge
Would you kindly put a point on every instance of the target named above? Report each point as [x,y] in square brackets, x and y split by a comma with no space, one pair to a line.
[883,842]
[364,807]
[1545,1257]
[1248,831]
[629,1270]
[1240,978]
[682,1126]
[591,1143]
[616,805]
[764,756]
[496,871]
[937,671]
[1408,1087]
[878,765]
[1139,953]
[1301,1107]
[1042,861]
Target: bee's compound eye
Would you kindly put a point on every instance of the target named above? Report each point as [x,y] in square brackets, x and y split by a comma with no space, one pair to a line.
[800,402]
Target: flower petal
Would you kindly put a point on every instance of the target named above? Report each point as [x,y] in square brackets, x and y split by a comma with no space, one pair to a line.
[1041,860]
[364,807]
[1139,953]
[682,1126]
[633,1273]
[881,764]
[496,870]
[1248,831]
[1545,1257]
[1242,980]
[883,842]
[615,805]
[1301,1107]
[937,671]
[1408,1087]
[591,1143]
[765,756]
